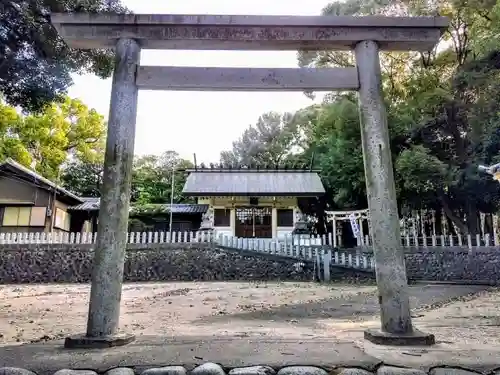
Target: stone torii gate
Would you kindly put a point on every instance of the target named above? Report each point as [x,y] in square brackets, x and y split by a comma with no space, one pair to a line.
[127,34]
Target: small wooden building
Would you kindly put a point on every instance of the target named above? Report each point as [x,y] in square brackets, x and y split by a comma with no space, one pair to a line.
[256,203]
[29,203]
[84,216]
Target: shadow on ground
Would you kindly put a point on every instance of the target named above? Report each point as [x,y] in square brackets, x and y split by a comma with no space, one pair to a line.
[352,307]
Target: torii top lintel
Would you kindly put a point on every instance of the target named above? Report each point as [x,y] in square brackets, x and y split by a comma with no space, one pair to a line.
[249,32]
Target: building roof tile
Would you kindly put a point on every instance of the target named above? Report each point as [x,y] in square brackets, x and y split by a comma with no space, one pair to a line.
[93,204]
[9,163]
[253,183]
[89,204]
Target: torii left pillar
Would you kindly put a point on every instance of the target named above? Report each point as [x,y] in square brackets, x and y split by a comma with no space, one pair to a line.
[111,242]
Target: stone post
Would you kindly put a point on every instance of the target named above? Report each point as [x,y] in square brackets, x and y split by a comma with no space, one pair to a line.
[389,255]
[274,222]
[111,242]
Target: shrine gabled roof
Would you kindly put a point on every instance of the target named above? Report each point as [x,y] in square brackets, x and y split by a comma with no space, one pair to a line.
[246,182]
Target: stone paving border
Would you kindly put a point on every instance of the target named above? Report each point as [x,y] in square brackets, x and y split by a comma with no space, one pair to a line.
[216,369]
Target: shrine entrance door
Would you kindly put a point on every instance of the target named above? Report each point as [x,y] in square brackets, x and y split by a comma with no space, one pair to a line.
[253,222]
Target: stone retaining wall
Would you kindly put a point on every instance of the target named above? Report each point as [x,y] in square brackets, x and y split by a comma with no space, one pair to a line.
[215,369]
[65,263]
[479,265]
[456,264]
[45,263]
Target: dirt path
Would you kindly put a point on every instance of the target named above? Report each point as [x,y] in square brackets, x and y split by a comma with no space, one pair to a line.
[291,310]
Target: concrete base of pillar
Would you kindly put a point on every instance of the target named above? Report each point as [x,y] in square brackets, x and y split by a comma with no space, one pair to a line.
[416,338]
[87,342]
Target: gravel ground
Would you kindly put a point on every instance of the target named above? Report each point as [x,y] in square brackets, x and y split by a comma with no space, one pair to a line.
[31,313]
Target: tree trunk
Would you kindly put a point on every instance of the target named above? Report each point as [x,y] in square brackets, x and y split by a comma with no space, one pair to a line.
[472,218]
[449,213]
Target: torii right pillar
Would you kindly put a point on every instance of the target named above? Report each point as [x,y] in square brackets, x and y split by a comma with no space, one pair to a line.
[390,269]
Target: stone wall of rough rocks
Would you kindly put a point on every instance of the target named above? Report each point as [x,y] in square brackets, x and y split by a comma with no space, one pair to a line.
[457,264]
[44,263]
[65,263]
[453,264]
[215,369]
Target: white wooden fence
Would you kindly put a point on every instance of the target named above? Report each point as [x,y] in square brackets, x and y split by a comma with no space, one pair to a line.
[89,237]
[443,241]
[159,237]
[257,244]
[303,249]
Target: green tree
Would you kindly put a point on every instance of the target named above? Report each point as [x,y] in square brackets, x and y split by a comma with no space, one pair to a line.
[451,111]
[269,142]
[485,31]
[443,117]
[335,141]
[83,178]
[442,111]
[46,139]
[35,63]
[152,178]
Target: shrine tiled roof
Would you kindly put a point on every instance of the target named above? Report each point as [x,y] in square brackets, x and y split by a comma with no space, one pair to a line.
[246,182]
[93,204]
[89,204]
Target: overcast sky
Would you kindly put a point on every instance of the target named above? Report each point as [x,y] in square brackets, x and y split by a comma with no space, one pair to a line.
[204,123]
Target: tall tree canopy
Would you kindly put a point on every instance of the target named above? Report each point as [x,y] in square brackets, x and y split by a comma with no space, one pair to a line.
[443,113]
[83,177]
[35,63]
[268,142]
[45,140]
[152,178]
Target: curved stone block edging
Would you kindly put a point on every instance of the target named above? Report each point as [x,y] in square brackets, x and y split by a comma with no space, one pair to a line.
[253,370]
[170,370]
[85,372]
[208,369]
[302,370]
[216,369]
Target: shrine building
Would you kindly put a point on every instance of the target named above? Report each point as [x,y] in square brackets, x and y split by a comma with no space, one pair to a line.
[255,203]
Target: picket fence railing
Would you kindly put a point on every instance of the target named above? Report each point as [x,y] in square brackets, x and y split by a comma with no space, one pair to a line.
[320,254]
[347,259]
[303,249]
[469,241]
[161,237]
[260,244]
[89,237]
